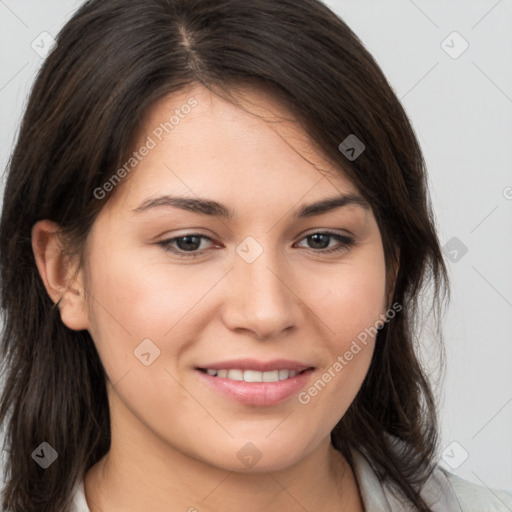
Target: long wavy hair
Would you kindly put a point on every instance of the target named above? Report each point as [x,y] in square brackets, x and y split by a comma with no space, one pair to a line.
[112,61]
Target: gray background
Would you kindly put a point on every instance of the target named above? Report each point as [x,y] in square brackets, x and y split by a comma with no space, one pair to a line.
[461,109]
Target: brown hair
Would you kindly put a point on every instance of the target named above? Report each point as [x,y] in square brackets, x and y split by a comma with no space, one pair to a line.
[112,61]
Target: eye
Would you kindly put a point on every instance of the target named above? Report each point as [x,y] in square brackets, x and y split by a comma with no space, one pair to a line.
[320,240]
[187,246]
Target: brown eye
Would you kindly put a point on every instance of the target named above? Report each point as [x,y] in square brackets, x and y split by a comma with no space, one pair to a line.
[185,245]
[320,241]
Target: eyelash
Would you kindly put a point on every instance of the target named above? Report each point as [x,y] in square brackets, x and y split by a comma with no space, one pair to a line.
[346,243]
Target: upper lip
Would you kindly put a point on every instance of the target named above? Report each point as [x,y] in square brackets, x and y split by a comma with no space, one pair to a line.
[253,364]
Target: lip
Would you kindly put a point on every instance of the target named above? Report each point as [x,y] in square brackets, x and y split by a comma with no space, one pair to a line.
[262,394]
[261,366]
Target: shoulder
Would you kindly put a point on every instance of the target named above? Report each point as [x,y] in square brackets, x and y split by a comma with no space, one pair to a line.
[443,491]
[476,498]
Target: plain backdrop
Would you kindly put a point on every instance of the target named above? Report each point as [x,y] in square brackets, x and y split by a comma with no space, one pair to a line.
[450,64]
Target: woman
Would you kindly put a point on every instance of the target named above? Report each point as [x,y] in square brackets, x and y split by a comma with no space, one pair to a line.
[215,233]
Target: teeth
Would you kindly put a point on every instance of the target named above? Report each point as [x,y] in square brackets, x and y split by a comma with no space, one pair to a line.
[253,375]
[270,376]
[235,375]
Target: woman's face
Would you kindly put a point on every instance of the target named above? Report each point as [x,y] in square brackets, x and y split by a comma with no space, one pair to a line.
[256,286]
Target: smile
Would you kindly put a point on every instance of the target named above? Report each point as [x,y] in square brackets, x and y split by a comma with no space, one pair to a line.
[252,375]
[253,387]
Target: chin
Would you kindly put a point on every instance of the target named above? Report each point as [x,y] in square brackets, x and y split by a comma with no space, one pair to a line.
[259,455]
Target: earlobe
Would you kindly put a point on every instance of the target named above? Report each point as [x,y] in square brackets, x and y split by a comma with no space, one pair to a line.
[64,288]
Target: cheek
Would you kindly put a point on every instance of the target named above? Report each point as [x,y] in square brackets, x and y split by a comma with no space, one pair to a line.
[137,299]
[349,302]
[126,307]
[350,298]
[353,306]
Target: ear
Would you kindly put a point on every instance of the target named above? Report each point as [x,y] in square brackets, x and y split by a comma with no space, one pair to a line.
[64,288]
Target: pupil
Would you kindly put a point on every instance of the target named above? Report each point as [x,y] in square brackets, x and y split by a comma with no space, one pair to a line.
[183,241]
[315,238]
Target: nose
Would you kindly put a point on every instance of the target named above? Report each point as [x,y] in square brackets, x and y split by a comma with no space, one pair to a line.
[261,299]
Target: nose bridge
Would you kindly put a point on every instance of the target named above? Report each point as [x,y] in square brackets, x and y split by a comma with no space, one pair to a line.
[262,300]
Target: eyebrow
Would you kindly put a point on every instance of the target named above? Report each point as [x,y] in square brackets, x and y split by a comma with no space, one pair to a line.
[215,209]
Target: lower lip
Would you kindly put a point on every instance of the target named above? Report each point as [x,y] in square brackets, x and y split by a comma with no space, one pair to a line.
[257,393]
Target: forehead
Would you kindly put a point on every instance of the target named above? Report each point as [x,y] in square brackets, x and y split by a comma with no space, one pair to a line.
[203,144]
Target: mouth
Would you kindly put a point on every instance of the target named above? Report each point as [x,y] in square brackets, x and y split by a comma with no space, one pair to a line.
[239,374]
[251,387]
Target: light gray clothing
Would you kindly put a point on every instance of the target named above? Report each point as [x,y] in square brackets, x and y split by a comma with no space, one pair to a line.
[443,492]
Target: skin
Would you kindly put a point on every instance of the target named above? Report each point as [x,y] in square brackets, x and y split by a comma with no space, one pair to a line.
[174,439]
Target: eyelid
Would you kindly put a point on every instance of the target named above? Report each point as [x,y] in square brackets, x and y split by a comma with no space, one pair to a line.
[332,231]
